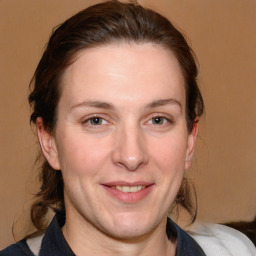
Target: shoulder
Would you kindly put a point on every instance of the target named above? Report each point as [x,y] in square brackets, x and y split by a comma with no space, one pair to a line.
[20,248]
[221,240]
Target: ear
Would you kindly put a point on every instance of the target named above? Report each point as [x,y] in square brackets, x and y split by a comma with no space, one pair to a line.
[48,144]
[191,145]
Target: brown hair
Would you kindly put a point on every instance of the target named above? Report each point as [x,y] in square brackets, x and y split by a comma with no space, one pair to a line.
[100,24]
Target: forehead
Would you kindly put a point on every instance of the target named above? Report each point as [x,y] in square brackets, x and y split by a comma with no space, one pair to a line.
[130,71]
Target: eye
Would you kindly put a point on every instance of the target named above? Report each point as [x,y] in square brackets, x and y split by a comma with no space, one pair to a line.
[96,121]
[159,120]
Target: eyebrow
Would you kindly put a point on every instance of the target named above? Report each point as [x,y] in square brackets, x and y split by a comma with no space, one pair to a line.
[106,105]
[162,102]
[93,104]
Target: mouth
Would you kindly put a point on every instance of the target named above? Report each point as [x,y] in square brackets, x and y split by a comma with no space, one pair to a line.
[129,192]
[129,189]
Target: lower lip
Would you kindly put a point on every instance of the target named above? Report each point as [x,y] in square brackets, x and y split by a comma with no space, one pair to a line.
[129,197]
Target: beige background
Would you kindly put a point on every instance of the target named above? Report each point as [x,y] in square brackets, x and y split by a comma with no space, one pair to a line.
[222,33]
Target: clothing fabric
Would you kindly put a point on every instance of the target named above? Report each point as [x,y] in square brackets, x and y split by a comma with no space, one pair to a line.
[221,240]
[53,243]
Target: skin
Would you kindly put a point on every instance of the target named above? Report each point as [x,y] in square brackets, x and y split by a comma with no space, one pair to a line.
[121,121]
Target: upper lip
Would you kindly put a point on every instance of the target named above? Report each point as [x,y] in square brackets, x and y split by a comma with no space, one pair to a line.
[129,184]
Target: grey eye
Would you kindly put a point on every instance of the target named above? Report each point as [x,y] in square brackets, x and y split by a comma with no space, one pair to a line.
[96,121]
[158,120]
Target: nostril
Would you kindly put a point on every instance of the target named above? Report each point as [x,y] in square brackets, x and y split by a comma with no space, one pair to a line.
[132,163]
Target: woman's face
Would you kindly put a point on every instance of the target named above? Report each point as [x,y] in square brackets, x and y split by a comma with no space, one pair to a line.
[121,139]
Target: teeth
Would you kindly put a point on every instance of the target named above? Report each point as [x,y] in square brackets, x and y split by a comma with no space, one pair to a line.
[128,189]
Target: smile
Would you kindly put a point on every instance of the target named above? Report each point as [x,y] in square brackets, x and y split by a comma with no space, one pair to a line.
[129,189]
[129,192]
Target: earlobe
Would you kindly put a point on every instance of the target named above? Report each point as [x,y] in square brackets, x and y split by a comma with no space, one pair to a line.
[191,145]
[47,143]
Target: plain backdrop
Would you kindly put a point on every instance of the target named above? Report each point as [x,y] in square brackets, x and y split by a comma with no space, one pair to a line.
[223,36]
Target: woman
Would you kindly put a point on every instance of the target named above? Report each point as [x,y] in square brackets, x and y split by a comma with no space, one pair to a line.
[116,106]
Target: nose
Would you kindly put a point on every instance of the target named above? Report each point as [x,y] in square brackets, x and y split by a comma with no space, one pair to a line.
[130,149]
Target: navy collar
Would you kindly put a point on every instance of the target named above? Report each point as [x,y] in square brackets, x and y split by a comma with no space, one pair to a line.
[54,242]
[186,245]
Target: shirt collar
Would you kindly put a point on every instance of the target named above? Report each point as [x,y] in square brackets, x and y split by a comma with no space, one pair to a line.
[54,243]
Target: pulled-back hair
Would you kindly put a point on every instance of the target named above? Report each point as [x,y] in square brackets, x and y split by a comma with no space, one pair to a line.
[102,24]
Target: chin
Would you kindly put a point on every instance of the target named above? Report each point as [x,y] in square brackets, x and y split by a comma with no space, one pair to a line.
[130,227]
[128,233]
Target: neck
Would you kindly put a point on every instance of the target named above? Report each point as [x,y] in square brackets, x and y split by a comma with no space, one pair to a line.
[86,239]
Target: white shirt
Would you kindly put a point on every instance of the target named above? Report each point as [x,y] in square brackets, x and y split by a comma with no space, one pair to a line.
[220,240]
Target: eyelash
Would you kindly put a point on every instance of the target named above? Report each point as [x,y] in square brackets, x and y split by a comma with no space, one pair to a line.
[88,121]
[164,121]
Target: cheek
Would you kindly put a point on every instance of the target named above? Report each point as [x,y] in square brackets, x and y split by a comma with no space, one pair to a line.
[80,154]
[170,152]
[169,157]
